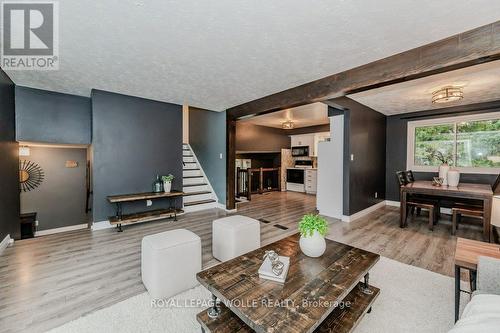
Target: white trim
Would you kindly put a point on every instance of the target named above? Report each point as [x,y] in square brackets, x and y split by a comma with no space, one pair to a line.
[392,203]
[223,207]
[101,225]
[363,212]
[62,229]
[410,146]
[398,204]
[5,243]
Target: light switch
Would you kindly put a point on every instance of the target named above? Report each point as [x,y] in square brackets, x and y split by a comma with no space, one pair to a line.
[220,156]
[352,157]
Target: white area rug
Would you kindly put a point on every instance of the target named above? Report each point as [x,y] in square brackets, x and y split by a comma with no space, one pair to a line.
[411,300]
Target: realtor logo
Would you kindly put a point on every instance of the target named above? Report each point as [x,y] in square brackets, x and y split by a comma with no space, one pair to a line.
[30,31]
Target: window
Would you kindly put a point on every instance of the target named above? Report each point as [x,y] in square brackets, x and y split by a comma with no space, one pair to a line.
[469,143]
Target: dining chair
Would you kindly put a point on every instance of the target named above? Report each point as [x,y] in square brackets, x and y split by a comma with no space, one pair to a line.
[474,210]
[496,185]
[415,203]
[410,178]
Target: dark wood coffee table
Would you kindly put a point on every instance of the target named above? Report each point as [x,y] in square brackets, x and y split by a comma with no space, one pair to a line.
[320,294]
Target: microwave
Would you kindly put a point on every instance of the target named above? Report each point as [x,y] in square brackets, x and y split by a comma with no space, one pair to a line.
[300,151]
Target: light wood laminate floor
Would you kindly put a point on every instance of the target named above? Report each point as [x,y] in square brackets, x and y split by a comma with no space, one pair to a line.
[48,281]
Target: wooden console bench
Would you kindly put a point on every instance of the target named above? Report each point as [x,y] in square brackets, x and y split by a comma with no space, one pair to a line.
[119,219]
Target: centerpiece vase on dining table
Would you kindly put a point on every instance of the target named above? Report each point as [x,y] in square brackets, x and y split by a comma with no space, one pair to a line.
[443,173]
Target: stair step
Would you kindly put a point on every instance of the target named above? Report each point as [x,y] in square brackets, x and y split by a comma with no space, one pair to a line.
[194,203]
[198,184]
[196,193]
[192,177]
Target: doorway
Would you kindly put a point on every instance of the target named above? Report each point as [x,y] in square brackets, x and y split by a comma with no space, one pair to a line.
[54,188]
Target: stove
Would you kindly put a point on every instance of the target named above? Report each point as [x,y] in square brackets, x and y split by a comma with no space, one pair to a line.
[304,164]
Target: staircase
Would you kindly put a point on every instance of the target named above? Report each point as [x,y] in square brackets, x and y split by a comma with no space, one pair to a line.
[199,194]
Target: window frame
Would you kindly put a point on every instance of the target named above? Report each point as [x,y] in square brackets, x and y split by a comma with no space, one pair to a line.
[410,145]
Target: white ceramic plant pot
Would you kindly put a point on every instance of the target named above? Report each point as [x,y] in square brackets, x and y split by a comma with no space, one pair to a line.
[453,178]
[443,173]
[313,246]
[167,186]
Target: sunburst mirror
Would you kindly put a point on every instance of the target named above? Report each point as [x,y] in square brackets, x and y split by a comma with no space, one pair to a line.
[30,175]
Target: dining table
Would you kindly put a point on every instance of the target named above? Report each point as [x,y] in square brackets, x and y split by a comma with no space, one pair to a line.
[471,191]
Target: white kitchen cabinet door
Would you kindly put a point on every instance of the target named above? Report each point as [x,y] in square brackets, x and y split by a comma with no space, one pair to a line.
[311,181]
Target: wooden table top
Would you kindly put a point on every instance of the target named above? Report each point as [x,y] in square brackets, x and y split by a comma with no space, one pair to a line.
[463,189]
[143,196]
[468,250]
[328,279]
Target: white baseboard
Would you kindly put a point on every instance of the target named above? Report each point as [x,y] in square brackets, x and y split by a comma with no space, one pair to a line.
[62,229]
[223,207]
[101,225]
[364,212]
[392,203]
[5,242]
[398,204]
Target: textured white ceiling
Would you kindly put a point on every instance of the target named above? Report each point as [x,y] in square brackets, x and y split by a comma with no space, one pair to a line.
[218,54]
[480,83]
[302,116]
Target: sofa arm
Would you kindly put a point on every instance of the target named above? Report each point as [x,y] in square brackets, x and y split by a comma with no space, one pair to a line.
[488,275]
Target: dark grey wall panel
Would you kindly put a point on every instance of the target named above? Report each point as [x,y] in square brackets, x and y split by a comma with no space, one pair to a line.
[397,144]
[207,137]
[134,140]
[45,116]
[254,138]
[309,129]
[60,199]
[9,161]
[364,137]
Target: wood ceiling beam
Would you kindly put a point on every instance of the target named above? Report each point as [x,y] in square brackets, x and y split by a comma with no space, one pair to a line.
[470,48]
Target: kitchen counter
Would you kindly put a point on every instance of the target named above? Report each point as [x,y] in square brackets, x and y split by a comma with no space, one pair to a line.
[303,168]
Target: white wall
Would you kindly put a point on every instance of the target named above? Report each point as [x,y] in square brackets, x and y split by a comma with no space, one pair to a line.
[330,170]
[185,123]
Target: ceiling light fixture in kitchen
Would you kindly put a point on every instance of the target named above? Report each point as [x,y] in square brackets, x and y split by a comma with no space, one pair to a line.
[288,125]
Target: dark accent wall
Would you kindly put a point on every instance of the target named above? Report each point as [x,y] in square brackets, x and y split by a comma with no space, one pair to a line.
[309,129]
[255,138]
[365,138]
[397,143]
[9,161]
[133,140]
[46,116]
[262,160]
[207,137]
[60,199]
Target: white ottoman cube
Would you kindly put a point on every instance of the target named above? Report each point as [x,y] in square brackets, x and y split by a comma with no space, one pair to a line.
[170,261]
[233,236]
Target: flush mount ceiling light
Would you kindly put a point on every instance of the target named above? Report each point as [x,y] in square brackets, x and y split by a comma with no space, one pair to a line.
[447,94]
[288,124]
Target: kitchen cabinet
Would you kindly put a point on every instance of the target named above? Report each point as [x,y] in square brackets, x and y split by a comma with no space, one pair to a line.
[310,140]
[311,181]
[303,140]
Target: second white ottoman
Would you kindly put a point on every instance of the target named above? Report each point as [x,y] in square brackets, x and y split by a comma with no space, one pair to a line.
[233,236]
[170,261]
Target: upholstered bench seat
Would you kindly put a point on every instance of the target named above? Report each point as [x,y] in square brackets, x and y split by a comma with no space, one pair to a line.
[170,261]
[234,236]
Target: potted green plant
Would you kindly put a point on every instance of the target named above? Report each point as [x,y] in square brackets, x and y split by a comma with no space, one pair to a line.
[167,182]
[313,229]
